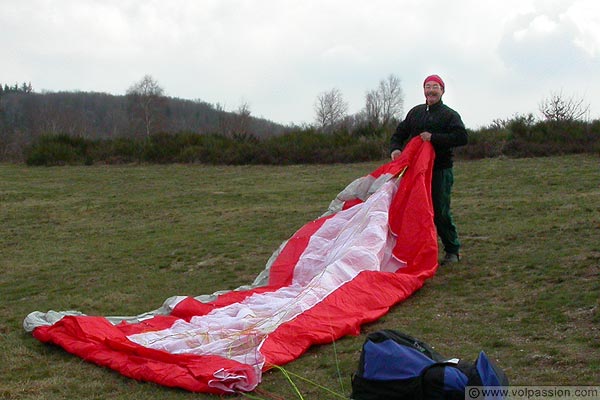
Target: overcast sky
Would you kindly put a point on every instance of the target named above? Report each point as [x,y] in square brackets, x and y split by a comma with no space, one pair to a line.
[498,58]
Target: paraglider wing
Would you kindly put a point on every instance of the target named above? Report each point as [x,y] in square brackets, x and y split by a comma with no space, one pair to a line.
[372,248]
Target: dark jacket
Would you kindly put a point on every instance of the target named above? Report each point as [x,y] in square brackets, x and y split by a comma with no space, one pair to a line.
[446,127]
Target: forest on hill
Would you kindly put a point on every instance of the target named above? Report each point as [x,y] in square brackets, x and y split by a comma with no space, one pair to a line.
[26,116]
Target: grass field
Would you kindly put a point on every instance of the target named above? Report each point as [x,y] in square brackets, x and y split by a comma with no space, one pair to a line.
[119,240]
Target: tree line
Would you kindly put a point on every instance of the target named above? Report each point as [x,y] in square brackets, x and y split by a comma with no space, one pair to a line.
[26,115]
[16,88]
[144,125]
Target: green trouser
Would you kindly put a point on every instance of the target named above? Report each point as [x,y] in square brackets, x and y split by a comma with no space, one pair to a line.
[441,190]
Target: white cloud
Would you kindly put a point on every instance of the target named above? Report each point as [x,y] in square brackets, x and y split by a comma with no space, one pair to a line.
[540,53]
[585,15]
[540,26]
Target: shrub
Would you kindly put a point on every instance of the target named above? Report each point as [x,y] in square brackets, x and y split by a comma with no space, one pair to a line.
[116,151]
[309,146]
[484,143]
[522,136]
[58,150]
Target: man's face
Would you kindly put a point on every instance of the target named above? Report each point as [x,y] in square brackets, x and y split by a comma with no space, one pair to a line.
[433,92]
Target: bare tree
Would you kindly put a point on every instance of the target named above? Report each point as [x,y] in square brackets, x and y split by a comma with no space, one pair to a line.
[392,99]
[385,104]
[373,107]
[146,102]
[557,107]
[242,121]
[235,123]
[330,109]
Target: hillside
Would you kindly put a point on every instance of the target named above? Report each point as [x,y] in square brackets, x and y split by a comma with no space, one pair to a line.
[25,116]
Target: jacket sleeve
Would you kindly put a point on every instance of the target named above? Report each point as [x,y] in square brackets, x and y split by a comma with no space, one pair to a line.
[456,134]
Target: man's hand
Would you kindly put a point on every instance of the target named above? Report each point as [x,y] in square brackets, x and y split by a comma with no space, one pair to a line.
[426,136]
[395,154]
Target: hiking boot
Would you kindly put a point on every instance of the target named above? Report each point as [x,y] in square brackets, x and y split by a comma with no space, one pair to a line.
[450,258]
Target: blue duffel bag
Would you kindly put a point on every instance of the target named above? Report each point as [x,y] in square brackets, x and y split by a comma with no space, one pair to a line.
[396,366]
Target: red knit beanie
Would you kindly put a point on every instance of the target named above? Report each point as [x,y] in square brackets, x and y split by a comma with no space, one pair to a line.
[435,78]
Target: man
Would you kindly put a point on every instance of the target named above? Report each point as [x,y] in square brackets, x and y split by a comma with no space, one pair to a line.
[442,126]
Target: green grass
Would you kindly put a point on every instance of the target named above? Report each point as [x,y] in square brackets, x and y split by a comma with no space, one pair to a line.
[121,239]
